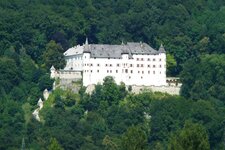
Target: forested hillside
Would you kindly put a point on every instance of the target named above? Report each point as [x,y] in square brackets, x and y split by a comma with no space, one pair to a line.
[35,33]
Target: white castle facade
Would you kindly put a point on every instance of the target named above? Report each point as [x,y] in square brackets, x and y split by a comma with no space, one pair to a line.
[131,63]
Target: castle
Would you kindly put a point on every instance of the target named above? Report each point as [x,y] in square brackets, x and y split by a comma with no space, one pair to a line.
[132,63]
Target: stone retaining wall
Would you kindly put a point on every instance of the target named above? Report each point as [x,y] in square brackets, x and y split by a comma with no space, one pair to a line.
[173,90]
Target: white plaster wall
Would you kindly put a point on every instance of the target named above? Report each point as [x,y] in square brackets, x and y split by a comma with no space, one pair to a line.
[173,90]
[95,70]
[74,62]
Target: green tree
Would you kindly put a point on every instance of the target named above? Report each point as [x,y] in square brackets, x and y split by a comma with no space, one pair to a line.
[54,145]
[110,90]
[203,78]
[53,56]
[9,74]
[134,139]
[45,82]
[109,144]
[191,137]
[170,64]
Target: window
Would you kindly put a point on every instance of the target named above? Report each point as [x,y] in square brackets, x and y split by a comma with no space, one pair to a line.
[153,66]
[97,70]
[126,71]
[131,71]
[110,71]
[148,72]
[142,59]
[110,65]
[118,65]
[153,72]
[141,77]
[142,72]
[160,66]
[142,65]
[106,65]
[91,70]
[98,65]
[137,65]
[137,59]
[116,71]
[107,71]
[131,65]
[149,59]
[91,65]
[148,66]
[138,71]
[160,59]
[153,59]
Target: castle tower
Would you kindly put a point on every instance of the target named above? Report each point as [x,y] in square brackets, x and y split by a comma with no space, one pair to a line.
[53,72]
[86,42]
[45,94]
[162,49]
[40,103]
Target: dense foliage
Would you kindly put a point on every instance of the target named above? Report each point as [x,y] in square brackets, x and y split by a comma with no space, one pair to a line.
[204,78]
[34,35]
[108,120]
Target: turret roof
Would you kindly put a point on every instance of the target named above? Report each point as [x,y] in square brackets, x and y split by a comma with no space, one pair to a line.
[162,49]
